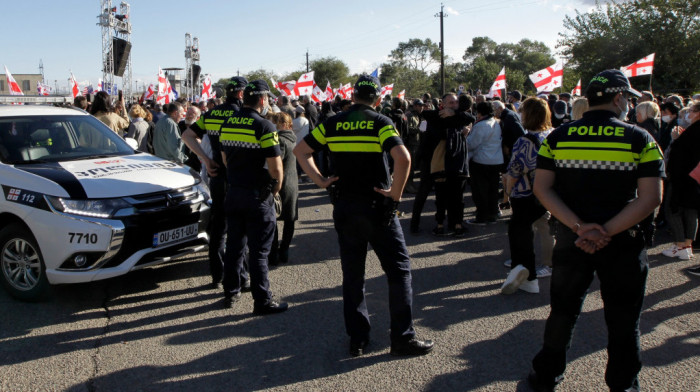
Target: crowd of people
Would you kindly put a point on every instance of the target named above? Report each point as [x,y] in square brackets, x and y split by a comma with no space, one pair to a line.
[579,174]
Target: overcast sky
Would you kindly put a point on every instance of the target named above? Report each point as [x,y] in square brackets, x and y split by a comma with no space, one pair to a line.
[248,35]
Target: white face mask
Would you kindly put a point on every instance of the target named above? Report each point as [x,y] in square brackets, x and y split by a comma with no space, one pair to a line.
[558,116]
[666,119]
[623,112]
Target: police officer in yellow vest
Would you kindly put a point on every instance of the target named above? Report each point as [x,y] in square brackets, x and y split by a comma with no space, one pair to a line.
[365,204]
[599,177]
[210,124]
[251,153]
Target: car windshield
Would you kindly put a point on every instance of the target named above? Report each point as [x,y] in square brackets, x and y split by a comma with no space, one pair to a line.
[31,139]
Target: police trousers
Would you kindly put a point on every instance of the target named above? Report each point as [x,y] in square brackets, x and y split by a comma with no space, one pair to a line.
[251,222]
[622,269]
[357,224]
[217,229]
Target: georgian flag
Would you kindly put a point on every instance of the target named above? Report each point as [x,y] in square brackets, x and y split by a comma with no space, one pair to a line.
[149,93]
[305,84]
[500,82]
[42,89]
[345,91]
[317,94]
[330,94]
[206,89]
[644,66]
[12,84]
[164,89]
[577,90]
[402,94]
[549,78]
[386,90]
[75,90]
[286,88]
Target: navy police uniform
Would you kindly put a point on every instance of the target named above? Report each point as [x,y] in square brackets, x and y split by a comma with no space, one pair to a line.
[597,161]
[210,123]
[248,139]
[359,141]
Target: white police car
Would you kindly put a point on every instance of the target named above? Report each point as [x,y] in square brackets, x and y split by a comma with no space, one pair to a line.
[79,204]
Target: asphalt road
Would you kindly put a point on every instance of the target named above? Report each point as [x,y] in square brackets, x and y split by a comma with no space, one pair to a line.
[163,329]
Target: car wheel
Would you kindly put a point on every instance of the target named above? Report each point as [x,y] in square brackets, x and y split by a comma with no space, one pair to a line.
[23,269]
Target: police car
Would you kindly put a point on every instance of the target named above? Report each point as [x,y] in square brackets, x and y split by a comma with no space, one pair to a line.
[80,204]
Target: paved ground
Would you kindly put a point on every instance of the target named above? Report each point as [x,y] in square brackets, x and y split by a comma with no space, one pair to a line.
[162,329]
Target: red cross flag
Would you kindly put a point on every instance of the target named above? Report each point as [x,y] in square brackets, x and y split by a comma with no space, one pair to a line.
[577,90]
[386,90]
[206,89]
[549,78]
[74,89]
[305,84]
[163,85]
[500,82]
[644,66]
[402,94]
[286,88]
[42,89]
[317,94]
[330,94]
[12,84]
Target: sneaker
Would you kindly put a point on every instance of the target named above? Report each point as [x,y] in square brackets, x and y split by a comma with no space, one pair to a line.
[670,251]
[694,271]
[530,286]
[438,231]
[508,263]
[543,271]
[515,278]
[685,253]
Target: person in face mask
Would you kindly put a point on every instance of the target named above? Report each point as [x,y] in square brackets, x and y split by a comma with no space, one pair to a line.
[251,154]
[669,121]
[561,114]
[599,177]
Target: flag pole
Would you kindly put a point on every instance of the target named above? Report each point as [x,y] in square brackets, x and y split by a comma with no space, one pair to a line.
[651,76]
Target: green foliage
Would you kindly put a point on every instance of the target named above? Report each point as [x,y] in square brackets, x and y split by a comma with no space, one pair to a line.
[414,81]
[263,74]
[485,58]
[416,54]
[330,69]
[615,35]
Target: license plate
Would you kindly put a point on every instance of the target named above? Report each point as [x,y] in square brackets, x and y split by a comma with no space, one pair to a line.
[175,235]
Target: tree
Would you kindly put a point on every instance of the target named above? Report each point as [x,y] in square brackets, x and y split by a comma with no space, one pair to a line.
[261,74]
[615,35]
[330,69]
[414,81]
[520,59]
[416,54]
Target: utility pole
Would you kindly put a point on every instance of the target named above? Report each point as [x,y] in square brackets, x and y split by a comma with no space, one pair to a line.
[307,60]
[442,15]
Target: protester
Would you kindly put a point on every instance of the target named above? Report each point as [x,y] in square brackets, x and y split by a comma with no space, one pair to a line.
[683,193]
[527,210]
[167,143]
[113,116]
[485,163]
[138,129]
[289,193]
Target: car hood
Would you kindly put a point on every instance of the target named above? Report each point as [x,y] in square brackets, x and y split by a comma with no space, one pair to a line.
[115,176]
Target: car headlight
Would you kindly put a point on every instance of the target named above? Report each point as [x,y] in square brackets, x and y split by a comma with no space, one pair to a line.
[97,208]
[203,189]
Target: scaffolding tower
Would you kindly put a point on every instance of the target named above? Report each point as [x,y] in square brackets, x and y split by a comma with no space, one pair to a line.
[192,68]
[115,26]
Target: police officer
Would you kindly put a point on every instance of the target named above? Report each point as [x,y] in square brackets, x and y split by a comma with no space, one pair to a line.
[210,124]
[365,202]
[249,144]
[599,177]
